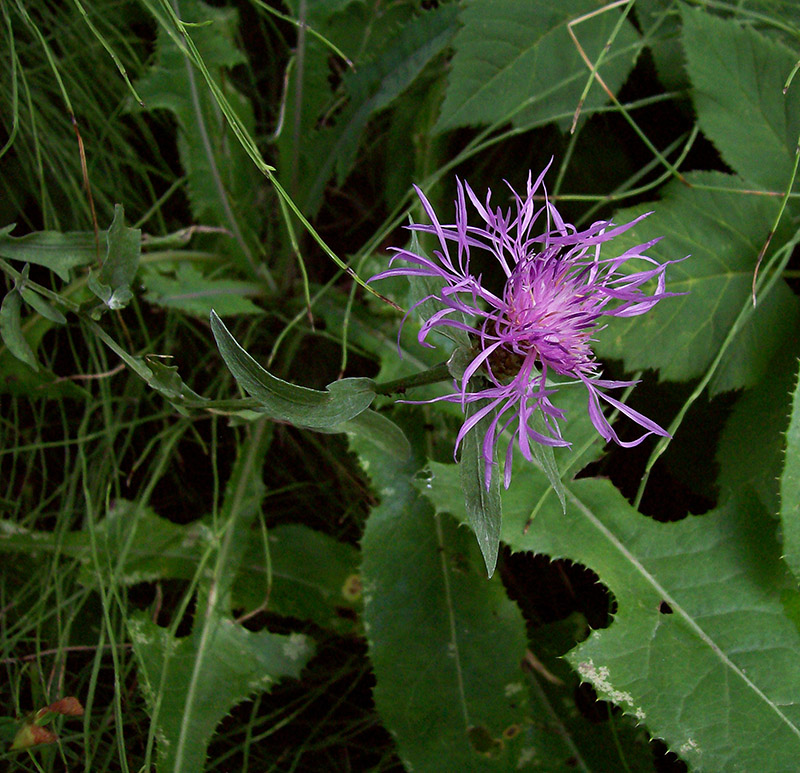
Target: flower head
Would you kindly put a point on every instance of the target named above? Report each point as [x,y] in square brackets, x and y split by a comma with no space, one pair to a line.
[536,335]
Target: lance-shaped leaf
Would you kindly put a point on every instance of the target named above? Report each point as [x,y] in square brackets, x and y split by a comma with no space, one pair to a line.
[60,252]
[445,642]
[11,329]
[343,400]
[482,503]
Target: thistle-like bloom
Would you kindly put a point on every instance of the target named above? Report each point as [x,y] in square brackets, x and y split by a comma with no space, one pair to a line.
[537,335]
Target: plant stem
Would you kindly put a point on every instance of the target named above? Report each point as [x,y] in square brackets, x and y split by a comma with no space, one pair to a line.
[437,373]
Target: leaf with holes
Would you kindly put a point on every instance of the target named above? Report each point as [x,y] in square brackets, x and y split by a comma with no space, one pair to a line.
[700,650]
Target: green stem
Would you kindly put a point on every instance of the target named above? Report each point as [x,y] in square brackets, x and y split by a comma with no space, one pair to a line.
[433,375]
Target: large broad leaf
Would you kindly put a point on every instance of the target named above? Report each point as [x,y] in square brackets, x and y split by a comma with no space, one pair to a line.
[445,643]
[223,183]
[343,400]
[700,649]
[790,489]
[750,452]
[738,77]
[723,233]
[516,61]
[194,682]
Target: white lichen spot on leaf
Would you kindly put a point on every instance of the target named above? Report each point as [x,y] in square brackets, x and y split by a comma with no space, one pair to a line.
[295,647]
[689,747]
[513,689]
[599,677]
[526,756]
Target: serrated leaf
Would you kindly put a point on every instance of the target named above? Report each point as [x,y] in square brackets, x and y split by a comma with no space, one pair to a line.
[11,329]
[445,643]
[790,488]
[750,452]
[360,30]
[204,676]
[700,650]
[738,77]
[112,284]
[297,405]
[62,253]
[192,292]
[516,61]
[723,233]
[306,575]
[482,504]
[223,183]
[660,26]
[190,684]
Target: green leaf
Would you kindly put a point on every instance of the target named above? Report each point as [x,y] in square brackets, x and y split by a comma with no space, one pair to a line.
[516,61]
[790,488]
[376,84]
[43,307]
[112,284]
[300,406]
[445,643]
[660,26]
[304,574]
[11,329]
[750,452]
[163,378]
[194,682]
[190,684]
[194,293]
[700,649]
[483,507]
[379,430]
[223,184]
[723,232]
[738,77]
[318,117]
[62,253]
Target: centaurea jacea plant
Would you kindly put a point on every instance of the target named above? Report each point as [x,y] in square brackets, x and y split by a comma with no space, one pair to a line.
[536,336]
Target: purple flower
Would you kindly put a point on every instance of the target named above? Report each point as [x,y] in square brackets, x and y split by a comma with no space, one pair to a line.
[536,336]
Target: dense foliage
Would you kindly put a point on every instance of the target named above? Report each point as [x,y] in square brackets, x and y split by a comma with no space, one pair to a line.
[234,533]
